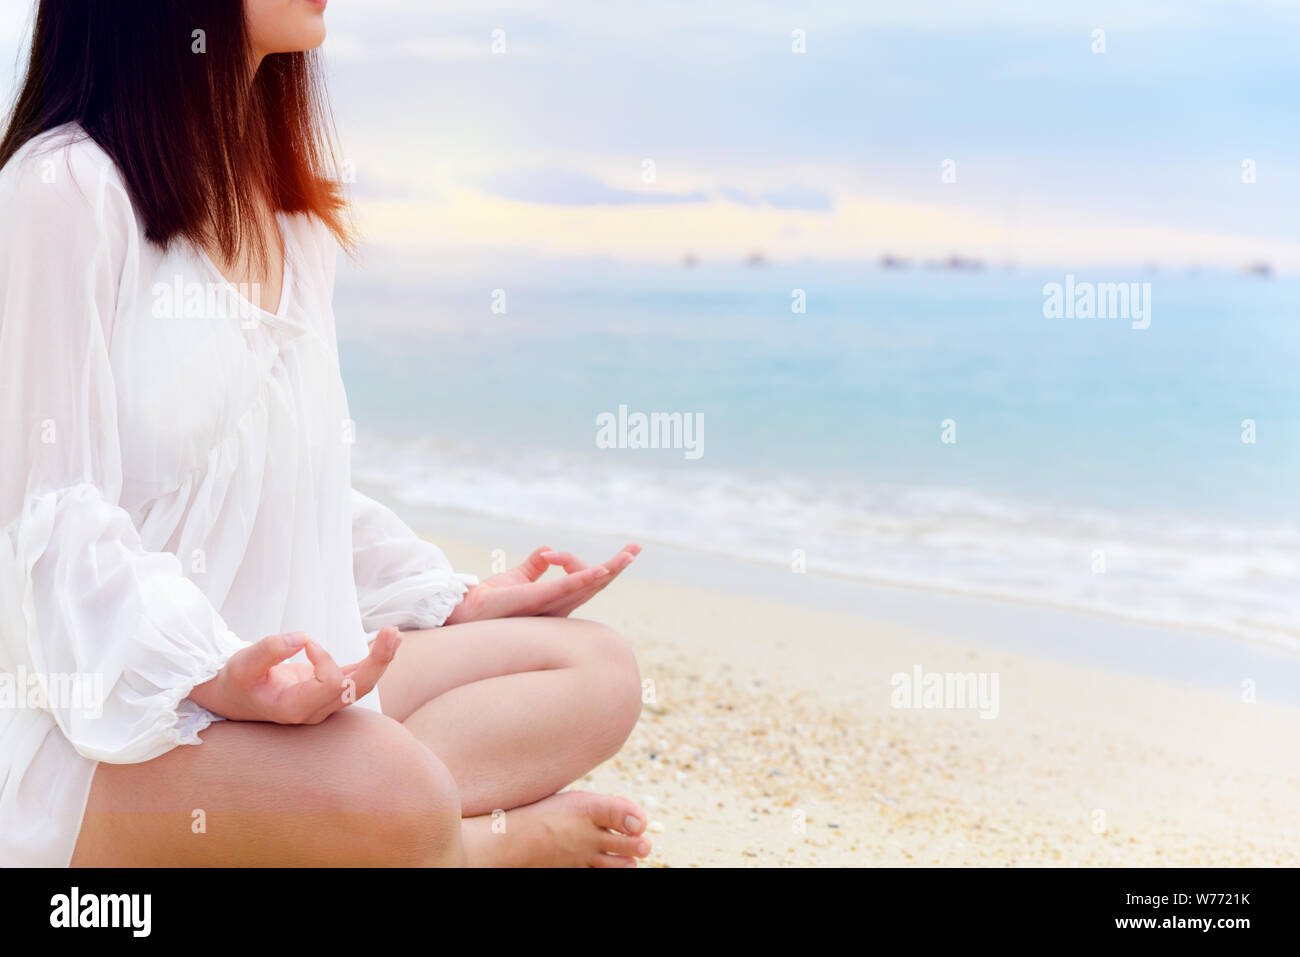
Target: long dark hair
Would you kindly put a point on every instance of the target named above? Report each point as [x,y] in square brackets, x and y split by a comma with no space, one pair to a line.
[197,142]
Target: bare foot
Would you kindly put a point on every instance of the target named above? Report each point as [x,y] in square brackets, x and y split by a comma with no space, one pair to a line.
[572,829]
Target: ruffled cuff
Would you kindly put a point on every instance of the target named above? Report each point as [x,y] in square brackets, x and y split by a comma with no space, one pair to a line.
[183,719]
[425,600]
[148,711]
[123,625]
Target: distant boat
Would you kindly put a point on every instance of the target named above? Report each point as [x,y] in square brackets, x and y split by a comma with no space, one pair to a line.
[893,262]
[755,259]
[1259,269]
[959,263]
[689,260]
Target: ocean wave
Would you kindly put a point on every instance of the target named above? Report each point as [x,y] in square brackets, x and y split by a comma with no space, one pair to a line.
[1232,577]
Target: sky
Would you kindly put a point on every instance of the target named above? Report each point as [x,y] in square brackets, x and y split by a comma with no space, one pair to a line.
[1057,155]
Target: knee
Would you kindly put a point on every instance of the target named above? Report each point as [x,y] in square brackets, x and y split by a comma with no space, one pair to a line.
[411,802]
[423,829]
[614,684]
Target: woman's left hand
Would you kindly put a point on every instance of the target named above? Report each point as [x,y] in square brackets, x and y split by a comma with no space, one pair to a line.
[519,593]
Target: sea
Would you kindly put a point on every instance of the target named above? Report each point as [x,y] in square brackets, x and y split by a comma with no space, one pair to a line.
[938,428]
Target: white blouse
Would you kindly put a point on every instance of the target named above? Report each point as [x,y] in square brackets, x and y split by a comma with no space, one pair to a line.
[174,484]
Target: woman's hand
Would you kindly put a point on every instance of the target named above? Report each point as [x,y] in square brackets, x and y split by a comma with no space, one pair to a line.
[517,593]
[258,684]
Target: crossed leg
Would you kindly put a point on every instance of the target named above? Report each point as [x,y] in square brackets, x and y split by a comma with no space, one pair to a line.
[479,717]
[517,709]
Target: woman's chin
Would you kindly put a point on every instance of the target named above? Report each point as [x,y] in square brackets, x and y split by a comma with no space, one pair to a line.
[304,41]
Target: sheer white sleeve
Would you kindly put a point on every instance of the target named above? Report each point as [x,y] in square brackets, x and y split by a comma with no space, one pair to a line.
[118,635]
[401,579]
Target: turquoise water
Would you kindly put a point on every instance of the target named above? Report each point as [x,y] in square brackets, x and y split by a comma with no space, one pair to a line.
[1095,465]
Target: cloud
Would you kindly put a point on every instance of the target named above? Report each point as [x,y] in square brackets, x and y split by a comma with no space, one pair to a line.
[567,187]
[799,198]
[858,228]
[738,196]
[560,187]
[753,142]
[790,197]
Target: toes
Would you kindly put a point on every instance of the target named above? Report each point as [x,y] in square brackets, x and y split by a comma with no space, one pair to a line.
[623,844]
[617,814]
[628,846]
[612,860]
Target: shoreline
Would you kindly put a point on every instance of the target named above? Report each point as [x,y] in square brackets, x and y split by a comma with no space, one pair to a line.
[770,737]
[1208,659]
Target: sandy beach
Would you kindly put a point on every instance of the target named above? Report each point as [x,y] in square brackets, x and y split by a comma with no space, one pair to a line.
[770,737]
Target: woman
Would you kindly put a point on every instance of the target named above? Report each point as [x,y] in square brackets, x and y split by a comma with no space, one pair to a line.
[179,540]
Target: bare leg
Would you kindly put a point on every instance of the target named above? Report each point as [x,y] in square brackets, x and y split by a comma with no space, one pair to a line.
[360,788]
[517,709]
[357,789]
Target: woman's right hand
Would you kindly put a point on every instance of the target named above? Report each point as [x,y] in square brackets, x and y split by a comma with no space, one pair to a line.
[258,684]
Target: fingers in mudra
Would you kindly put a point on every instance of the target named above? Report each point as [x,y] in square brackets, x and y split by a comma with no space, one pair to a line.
[542,597]
[317,692]
[520,592]
[263,685]
[581,583]
[360,678]
[571,565]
